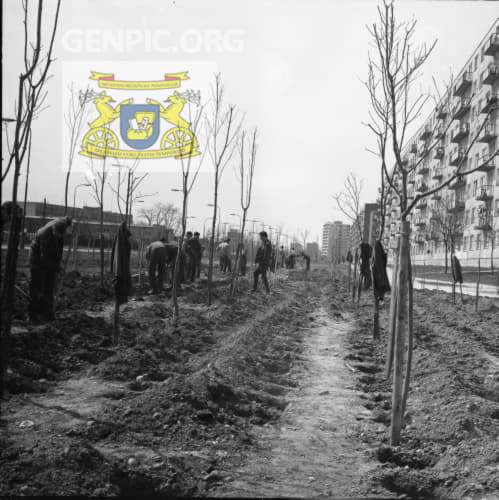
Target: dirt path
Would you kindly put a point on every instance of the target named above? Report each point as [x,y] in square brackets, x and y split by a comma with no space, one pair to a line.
[311,451]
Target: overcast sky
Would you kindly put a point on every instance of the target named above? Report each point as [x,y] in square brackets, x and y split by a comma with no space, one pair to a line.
[295,68]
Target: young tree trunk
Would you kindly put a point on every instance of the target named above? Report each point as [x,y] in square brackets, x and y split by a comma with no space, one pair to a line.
[235,271]
[356,258]
[410,342]
[477,286]
[493,240]
[102,244]
[399,347]
[8,290]
[212,242]
[446,256]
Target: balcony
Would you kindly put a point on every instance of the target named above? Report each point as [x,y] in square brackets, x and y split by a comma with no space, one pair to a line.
[457,206]
[463,107]
[441,112]
[484,222]
[436,196]
[420,239]
[420,223]
[439,153]
[458,183]
[463,84]
[440,132]
[422,187]
[457,158]
[485,164]
[422,204]
[405,160]
[414,148]
[423,169]
[437,174]
[411,180]
[488,133]
[485,193]
[492,103]
[461,132]
[493,45]
[492,74]
[425,133]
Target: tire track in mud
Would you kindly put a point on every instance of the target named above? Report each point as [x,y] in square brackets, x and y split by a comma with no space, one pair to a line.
[313,449]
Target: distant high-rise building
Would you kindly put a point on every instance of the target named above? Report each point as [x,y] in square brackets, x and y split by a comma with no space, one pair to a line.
[335,240]
[326,229]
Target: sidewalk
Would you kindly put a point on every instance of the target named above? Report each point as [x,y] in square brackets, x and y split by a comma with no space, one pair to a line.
[469,288]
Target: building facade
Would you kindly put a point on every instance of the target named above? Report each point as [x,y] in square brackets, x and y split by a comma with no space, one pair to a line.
[326,230]
[461,133]
[339,241]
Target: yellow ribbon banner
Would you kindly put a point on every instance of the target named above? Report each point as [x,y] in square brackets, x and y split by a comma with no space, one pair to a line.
[100,152]
[107,81]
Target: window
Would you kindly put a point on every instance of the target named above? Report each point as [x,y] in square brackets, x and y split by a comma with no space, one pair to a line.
[471,242]
[474,189]
[485,241]
[465,242]
[472,216]
[482,179]
[478,241]
[466,217]
[482,53]
[476,63]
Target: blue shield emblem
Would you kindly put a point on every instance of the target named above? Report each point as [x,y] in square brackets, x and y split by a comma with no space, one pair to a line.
[139,124]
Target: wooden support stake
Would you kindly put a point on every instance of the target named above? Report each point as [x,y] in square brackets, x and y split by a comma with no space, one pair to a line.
[399,345]
[477,286]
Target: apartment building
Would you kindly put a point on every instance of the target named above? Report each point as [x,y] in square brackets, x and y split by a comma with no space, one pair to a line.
[338,242]
[326,230]
[461,133]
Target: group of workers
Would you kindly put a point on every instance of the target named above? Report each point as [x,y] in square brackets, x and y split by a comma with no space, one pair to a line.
[46,257]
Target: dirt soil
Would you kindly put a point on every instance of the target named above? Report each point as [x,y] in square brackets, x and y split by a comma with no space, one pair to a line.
[168,411]
[449,443]
[258,395]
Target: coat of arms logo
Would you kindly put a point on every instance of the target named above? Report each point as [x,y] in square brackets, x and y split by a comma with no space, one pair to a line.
[141,126]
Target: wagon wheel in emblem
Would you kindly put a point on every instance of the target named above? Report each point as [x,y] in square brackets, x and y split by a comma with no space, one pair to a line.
[100,137]
[179,137]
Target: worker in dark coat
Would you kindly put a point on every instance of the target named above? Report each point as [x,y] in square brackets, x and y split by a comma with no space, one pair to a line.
[263,260]
[306,258]
[195,252]
[381,283]
[242,261]
[457,273]
[45,263]
[366,252]
[156,255]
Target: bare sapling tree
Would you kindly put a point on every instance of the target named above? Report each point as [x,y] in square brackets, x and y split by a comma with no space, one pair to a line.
[98,179]
[37,56]
[304,237]
[75,121]
[191,163]
[378,124]
[349,204]
[394,67]
[244,174]
[223,125]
